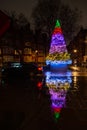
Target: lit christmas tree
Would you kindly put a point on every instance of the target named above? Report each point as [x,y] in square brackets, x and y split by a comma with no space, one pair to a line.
[58,54]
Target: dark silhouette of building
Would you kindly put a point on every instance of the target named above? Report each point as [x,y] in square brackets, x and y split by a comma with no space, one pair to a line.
[78,47]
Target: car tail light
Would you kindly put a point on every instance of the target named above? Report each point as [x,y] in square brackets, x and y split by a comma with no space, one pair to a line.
[39,85]
[40,68]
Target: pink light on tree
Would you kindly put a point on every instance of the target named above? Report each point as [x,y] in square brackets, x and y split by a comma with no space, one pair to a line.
[57,41]
[58,54]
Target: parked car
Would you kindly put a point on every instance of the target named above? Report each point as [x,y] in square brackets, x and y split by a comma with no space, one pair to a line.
[14,72]
[19,70]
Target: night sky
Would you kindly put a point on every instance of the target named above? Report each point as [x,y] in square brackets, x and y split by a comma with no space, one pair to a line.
[26,7]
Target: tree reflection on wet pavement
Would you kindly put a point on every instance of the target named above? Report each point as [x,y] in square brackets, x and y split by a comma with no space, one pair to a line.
[27,108]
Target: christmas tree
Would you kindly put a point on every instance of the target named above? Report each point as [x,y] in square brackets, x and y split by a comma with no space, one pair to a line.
[58,52]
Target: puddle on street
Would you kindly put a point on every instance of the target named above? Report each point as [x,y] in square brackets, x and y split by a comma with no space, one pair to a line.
[65,91]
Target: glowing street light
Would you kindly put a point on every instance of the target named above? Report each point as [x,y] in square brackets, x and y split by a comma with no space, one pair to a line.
[36,56]
[75,50]
[75,55]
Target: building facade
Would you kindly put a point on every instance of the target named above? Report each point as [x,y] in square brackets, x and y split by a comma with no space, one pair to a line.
[29,54]
[78,47]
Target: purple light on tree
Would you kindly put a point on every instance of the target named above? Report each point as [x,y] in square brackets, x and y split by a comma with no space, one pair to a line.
[58,56]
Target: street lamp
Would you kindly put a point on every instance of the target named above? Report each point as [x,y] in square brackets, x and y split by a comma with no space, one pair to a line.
[75,57]
[36,56]
[75,51]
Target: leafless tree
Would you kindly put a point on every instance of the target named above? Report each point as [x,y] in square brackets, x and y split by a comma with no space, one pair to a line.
[47,12]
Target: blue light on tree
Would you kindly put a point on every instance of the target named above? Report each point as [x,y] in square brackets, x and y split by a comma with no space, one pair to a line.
[58,56]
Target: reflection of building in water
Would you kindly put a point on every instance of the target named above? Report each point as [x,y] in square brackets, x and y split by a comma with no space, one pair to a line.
[58,85]
[75,82]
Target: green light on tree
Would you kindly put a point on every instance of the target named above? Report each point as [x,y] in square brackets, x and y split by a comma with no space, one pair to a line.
[57,24]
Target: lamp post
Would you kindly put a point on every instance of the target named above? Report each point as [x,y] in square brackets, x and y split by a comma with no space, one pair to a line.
[75,57]
[75,51]
[36,56]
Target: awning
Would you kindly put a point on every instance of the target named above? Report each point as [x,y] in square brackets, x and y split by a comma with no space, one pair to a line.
[4,23]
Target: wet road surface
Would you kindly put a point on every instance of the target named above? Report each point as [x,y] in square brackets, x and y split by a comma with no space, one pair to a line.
[28,109]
